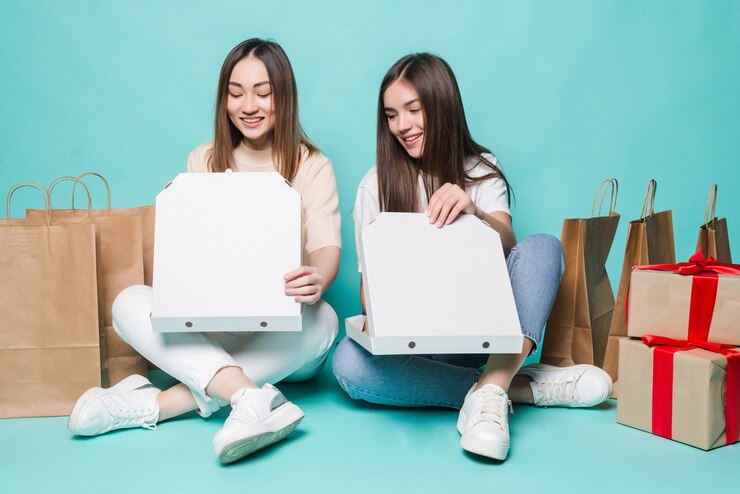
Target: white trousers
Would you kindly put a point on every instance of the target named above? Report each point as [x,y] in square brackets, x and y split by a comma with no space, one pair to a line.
[194,358]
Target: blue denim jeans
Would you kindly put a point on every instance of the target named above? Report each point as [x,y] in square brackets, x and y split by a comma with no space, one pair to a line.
[535,268]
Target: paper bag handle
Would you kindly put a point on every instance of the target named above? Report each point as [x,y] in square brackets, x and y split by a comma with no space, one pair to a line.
[710,211]
[652,187]
[101,177]
[76,181]
[609,183]
[34,185]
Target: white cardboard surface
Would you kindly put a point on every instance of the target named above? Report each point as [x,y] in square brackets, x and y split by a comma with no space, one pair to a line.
[223,242]
[430,290]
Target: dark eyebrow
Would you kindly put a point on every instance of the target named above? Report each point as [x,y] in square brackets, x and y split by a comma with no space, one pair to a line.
[408,103]
[256,85]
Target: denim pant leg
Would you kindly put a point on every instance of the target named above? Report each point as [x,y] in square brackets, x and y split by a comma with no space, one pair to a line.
[535,268]
[400,380]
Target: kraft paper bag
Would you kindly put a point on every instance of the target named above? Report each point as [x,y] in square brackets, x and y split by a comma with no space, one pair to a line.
[120,264]
[714,240]
[578,326]
[145,214]
[649,241]
[49,340]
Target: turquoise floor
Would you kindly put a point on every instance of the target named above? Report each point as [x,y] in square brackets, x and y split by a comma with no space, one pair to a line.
[346,447]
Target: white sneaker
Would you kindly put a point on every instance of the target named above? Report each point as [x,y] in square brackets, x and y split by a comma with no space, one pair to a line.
[580,385]
[259,417]
[130,403]
[484,422]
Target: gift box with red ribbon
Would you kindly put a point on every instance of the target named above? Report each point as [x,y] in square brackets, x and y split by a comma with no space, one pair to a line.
[681,390]
[697,300]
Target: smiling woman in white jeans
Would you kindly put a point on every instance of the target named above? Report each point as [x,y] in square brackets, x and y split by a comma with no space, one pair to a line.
[256,130]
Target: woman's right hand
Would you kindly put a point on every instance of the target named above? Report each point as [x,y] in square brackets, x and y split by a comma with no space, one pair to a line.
[447,203]
[304,284]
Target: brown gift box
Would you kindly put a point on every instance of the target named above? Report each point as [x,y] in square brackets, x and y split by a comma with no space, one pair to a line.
[699,386]
[659,303]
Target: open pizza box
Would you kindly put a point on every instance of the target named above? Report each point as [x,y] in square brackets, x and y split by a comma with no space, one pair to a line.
[434,290]
[222,244]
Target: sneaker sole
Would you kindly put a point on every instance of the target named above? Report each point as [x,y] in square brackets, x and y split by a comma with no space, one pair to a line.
[131,383]
[544,367]
[237,447]
[479,447]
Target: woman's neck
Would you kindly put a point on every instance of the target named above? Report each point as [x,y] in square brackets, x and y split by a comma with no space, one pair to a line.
[262,144]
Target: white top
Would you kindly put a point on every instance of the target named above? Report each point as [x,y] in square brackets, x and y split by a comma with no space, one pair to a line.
[489,195]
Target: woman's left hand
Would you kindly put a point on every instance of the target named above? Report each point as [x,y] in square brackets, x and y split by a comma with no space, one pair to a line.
[447,203]
[304,284]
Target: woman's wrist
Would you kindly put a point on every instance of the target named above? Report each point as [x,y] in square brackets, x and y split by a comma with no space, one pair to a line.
[482,215]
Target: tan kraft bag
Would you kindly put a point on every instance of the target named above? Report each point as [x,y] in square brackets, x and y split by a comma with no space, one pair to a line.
[649,241]
[714,240]
[49,346]
[578,326]
[120,264]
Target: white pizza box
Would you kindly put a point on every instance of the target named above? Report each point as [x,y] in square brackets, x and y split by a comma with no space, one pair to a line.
[222,244]
[434,290]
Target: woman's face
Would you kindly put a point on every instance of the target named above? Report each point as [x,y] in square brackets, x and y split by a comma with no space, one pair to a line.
[250,102]
[405,116]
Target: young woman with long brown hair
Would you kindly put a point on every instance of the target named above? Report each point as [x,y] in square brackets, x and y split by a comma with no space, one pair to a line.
[428,162]
[256,130]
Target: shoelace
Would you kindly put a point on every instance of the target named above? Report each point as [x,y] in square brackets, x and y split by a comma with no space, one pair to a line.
[494,407]
[127,415]
[561,390]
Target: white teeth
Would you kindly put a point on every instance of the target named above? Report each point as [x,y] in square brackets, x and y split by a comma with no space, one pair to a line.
[412,138]
[251,120]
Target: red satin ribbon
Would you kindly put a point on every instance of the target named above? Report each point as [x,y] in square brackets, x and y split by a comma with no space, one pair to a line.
[665,349]
[703,289]
[697,264]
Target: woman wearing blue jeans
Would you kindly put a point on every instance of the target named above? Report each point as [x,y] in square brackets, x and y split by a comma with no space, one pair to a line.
[428,162]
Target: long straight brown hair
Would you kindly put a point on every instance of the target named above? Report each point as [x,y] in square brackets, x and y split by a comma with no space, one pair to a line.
[447,140]
[288,135]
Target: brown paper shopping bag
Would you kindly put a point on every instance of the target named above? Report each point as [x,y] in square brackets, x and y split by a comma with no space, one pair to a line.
[119,265]
[49,346]
[649,241]
[578,326]
[714,240]
[145,214]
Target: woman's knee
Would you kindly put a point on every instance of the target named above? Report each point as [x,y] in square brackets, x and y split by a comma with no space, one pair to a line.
[322,322]
[543,249]
[328,317]
[350,362]
[131,308]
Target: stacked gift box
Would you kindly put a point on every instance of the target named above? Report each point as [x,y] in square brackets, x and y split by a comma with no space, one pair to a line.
[679,372]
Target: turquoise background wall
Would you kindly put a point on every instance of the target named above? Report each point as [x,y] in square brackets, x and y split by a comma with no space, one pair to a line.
[565,93]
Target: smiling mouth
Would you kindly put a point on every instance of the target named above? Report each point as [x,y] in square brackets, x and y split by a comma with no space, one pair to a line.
[411,139]
[251,120]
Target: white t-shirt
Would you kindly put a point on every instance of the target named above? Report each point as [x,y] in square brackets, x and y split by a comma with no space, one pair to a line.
[489,195]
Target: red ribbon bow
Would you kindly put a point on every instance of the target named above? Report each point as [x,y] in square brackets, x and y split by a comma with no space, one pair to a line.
[697,264]
[665,349]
